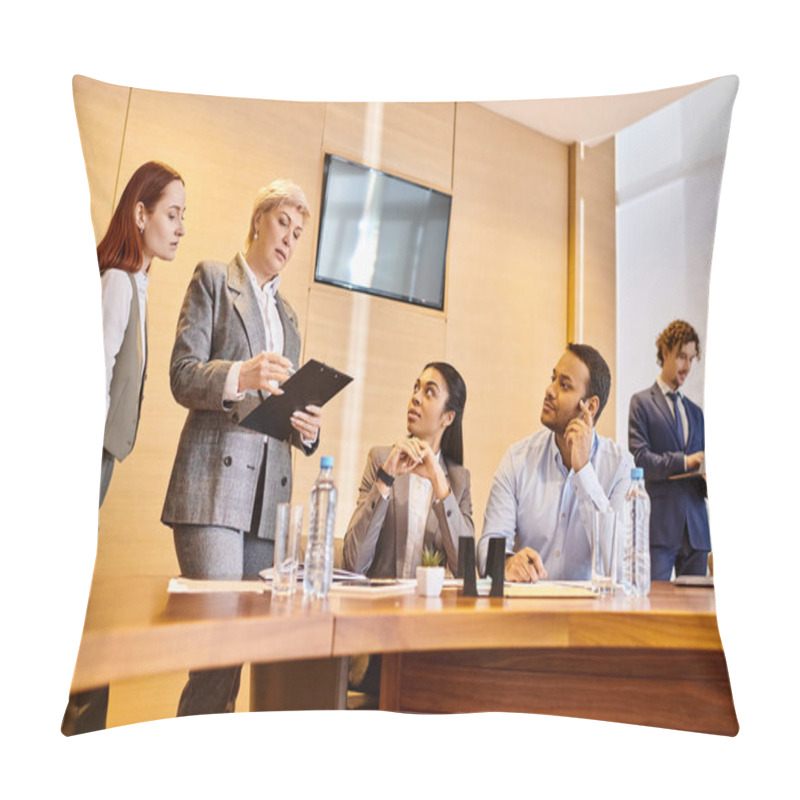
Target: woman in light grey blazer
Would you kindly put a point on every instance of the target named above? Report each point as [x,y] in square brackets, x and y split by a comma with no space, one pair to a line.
[237,339]
[416,493]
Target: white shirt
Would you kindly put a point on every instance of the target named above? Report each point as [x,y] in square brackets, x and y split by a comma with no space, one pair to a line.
[273,332]
[419,505]
[117,294]
[269,309]
[420,495]
[273,329]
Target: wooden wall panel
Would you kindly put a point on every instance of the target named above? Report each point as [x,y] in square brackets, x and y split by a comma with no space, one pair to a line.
[101,110]
[593,267]
[413,140]
[507,282]
[382,343]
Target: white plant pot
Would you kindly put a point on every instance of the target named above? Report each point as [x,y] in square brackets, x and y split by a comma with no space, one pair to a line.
[430,581]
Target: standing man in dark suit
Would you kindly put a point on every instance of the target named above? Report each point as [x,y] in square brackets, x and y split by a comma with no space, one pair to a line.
[666,434]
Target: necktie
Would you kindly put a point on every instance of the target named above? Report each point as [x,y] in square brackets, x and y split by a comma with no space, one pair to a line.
[678,420]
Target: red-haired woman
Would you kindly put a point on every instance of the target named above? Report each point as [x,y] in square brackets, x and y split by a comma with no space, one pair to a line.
[147,224]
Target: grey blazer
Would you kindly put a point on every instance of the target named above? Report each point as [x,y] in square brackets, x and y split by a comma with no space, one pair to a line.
[215,474]
[127,383]
[375,542]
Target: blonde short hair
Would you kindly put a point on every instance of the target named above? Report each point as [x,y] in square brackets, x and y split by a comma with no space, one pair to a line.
[279,193]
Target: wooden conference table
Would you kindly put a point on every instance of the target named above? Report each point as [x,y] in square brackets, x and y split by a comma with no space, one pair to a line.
[651,661]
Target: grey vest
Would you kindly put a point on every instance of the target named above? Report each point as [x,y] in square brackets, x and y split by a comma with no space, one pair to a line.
[122,419]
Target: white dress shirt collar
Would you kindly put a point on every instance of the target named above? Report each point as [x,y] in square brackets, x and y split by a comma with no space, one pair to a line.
[270,287]
[142,278]
[664,388]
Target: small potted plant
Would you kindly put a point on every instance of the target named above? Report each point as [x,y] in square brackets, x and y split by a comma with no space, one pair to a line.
[430,576]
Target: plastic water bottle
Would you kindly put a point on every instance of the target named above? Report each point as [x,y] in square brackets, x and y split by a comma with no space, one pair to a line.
[318,568]
[636,538]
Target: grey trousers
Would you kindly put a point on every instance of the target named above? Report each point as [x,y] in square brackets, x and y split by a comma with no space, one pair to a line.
[215,553]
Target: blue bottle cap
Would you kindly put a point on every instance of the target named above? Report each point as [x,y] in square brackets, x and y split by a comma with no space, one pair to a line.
[637,473]
[326,462]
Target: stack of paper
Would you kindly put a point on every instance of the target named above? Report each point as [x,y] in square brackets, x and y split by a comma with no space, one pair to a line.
[338,575]
[194,586]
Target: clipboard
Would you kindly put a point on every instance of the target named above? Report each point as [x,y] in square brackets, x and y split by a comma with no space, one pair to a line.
[313,384]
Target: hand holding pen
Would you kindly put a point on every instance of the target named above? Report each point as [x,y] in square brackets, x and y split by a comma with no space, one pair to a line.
[526,566]
[265,372]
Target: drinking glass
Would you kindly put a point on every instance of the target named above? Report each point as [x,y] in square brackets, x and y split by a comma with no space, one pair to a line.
[604,551]
[288,530]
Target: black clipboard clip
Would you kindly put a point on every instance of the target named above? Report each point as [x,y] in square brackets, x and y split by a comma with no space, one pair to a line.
[312,385]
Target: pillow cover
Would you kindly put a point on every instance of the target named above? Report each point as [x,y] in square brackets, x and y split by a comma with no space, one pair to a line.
[604,239]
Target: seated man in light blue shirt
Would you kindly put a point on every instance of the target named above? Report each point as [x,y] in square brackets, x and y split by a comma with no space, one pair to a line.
[548,485]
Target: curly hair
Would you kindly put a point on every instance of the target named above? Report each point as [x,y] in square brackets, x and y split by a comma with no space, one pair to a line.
[677,333]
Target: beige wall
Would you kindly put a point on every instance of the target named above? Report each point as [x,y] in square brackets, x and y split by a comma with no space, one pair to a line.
[507,299]
[506,322]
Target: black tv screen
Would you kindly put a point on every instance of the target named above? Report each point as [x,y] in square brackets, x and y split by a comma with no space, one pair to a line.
[382,234]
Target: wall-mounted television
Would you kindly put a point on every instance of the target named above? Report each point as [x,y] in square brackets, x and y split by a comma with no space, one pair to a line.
[382,234]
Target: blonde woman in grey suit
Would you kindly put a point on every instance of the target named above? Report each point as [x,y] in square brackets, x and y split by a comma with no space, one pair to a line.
[147,224]
[237,340]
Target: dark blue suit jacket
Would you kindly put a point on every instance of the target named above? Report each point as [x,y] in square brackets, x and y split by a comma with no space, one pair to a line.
[655,446]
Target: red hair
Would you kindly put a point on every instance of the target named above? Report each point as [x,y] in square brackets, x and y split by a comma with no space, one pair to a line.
[121,247]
